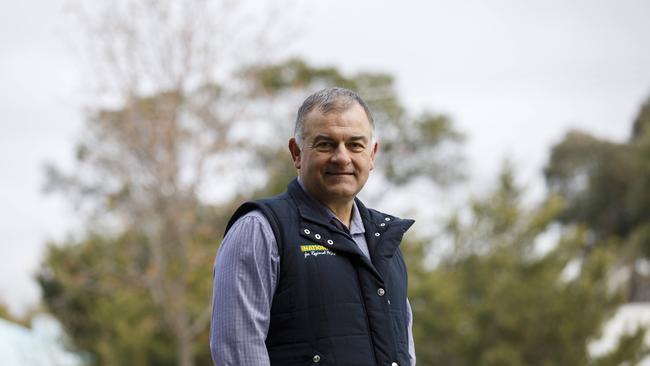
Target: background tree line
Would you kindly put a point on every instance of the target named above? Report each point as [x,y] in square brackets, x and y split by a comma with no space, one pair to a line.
[164,161]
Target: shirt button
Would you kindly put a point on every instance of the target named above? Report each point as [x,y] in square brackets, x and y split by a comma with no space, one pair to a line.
[381,292]
[316,359]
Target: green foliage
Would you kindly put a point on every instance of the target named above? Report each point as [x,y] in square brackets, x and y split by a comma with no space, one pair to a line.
[97,288]
[293,74]
[607,189]
[495,299]
[605,183]
[595,177]
[111,319]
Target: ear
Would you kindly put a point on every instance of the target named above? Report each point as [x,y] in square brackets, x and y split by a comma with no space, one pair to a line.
[295,152]
[375,147]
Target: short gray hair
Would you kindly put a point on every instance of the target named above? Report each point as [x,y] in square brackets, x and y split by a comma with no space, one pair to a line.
[328,100]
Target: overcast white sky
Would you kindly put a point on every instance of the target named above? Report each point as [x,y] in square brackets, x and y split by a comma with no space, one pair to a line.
[513,75]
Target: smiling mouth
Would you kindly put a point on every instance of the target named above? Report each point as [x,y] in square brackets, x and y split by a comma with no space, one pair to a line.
[339,173]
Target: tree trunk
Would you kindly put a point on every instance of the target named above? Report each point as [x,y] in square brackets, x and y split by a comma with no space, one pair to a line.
[184,354]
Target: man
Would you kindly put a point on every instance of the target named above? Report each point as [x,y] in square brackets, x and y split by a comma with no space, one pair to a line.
[312,276]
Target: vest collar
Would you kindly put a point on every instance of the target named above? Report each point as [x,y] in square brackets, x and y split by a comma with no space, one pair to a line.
[356,223]
[378,226]
[313,210]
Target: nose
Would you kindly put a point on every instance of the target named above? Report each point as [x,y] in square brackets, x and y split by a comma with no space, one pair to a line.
[341,155]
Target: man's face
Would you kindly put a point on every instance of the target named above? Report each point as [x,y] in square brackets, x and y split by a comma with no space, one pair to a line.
[337,156]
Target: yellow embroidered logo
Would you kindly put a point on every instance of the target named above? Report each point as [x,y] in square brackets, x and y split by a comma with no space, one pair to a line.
[311,248]
[315,250]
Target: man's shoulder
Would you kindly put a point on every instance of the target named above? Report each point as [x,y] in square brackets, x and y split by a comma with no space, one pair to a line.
[253,216]
[274,200]
[268,208]
[274,203]
[259,203]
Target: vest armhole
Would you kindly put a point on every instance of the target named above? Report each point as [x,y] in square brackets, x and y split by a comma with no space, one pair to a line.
[266,211]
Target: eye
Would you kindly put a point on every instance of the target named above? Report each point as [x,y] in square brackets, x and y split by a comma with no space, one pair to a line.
[356,146]
[323,145]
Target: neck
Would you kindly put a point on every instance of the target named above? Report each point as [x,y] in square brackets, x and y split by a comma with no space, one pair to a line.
[342,211]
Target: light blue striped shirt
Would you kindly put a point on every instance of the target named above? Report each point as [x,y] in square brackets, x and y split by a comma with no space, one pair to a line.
[246,271]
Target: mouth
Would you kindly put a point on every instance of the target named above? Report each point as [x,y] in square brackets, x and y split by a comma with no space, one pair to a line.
[339,173]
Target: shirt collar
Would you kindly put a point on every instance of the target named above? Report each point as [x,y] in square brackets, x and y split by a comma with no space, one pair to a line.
[356,224]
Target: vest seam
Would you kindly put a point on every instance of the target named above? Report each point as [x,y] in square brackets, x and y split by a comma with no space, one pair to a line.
[365,313]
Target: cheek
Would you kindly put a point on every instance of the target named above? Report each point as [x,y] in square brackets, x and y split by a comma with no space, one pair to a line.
[317,161]
[365,162]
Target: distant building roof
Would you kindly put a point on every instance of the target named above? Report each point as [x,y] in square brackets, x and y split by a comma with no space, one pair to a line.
[40,345]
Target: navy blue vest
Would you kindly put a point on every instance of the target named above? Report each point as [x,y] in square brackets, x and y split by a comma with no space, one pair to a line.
[332,305]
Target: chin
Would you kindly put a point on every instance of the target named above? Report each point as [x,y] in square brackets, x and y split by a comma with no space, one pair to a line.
[342,193]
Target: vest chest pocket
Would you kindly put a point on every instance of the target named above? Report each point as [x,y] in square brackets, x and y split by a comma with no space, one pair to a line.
[333,279]
[335,276]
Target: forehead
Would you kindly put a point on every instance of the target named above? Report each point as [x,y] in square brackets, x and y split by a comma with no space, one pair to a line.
[352,120]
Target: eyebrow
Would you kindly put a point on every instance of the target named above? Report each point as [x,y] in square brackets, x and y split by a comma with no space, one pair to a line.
[328,138]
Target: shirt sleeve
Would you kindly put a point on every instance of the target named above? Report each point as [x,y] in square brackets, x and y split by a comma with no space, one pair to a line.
[246,268]
[409,314]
